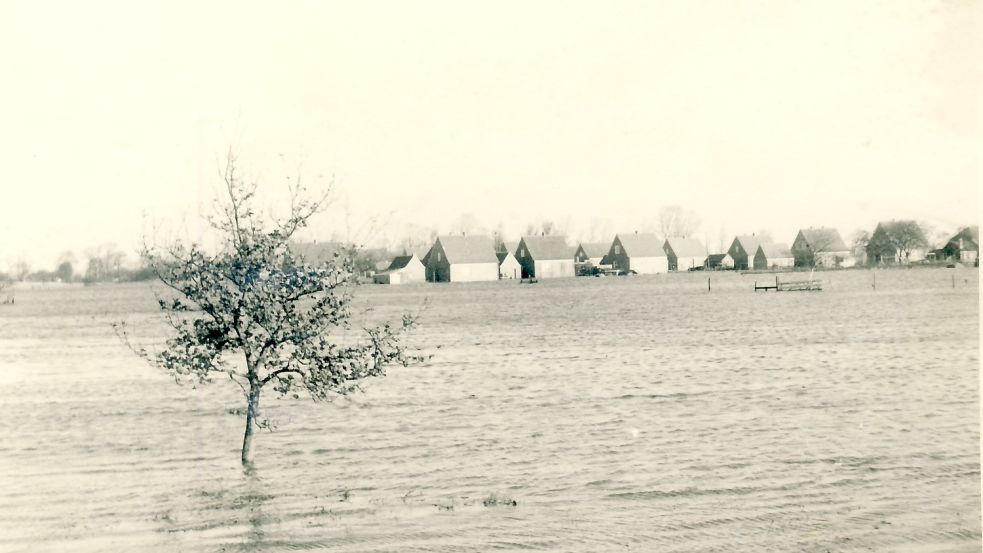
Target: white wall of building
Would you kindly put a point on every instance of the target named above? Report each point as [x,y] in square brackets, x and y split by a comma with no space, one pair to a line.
[474,272]
[649,265]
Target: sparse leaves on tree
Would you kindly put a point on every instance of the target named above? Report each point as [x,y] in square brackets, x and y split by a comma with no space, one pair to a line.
[257,314]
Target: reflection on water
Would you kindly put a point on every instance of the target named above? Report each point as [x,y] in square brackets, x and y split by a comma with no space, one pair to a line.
[584,415]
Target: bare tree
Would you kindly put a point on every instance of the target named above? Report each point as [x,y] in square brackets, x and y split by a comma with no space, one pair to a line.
[468,224]
[673,220]
[818,247]
[544,228]
[260,315]
[21,269]
[416,239]
[935,237]
[895,241]
[859,240]
[600,230]
[907,236]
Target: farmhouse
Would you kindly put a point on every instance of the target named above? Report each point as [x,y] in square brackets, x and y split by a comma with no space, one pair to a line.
[684,253]
[545,257]
[403,269]
[718,262]
[592,252]
[508,265]
[964,246]
[641,253]
[773,255]
[461,259]
[820,247]
[743,249]
[896,242]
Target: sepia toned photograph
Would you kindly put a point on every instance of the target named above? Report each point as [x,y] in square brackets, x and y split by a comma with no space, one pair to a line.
[670,276]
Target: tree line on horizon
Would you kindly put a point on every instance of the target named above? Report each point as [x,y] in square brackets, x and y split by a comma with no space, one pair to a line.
[108,263]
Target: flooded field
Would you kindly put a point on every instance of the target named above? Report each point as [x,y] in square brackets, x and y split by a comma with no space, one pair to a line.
[634,413]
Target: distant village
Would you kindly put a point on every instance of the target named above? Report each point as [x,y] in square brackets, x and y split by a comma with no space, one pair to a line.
[469,258]
[466,257]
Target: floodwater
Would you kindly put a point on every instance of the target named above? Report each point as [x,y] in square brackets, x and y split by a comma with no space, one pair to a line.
[622,413]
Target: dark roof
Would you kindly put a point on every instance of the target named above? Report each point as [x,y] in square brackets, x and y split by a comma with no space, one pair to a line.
[641,245]
[547,247]
[972,233]
[686,247]
[774,250]
[716,258]
[824,239]
[400,262]
[595,249]
[468,249]
[969,236]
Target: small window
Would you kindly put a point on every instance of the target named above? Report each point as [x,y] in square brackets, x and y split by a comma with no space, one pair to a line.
[617,250]
[438,256]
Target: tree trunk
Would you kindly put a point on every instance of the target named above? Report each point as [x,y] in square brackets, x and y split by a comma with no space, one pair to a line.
[252,411]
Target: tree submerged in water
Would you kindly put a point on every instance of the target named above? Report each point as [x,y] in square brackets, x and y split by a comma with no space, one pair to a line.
[261,315]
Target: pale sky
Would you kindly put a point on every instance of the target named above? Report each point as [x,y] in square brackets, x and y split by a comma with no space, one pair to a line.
[767,115]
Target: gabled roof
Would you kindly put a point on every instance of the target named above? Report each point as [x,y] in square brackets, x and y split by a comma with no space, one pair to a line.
[641,245]
[970,234]
[502,255]
[468,249]
[824,239]
[400,262]
[595,249]
[685,247]
[544,248]
[774,250]
[749,242]
[716,258]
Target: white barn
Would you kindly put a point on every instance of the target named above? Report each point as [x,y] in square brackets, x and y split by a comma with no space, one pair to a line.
[684,253]
[545,257]
[641,253]
[773,255]
[508,266]
[461,259]
[403,269]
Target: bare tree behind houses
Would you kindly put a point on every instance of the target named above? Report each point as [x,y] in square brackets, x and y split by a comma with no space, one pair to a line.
[545,228]
[262,317]
[858,244]
[819,244]
[673,220]
[907,236]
